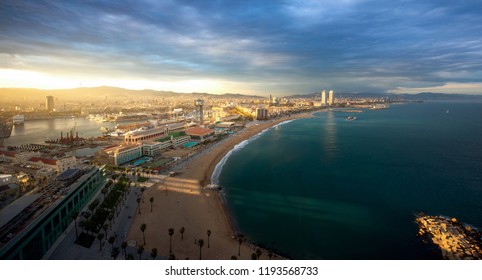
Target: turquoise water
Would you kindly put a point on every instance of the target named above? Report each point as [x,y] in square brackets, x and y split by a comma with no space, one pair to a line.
[326,188]
[140,161]
[190,144]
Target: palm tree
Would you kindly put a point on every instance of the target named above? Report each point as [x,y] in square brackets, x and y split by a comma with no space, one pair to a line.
[104,192]
[253,256]
[270,254]
[100,237]
[240,238]
[171,232]
[74,216]
[110,217]
[124,247]
[114,253]
[138,202]
[143,228]
[105,227]
[130,256]
[154,253]
[233,257]
[209,234]
[142,193]
[258,253]
[200,243]
[151,200]
[111,241]
[140,249]
[181,231]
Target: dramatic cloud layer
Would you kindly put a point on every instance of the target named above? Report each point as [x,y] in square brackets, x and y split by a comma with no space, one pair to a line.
[263,47]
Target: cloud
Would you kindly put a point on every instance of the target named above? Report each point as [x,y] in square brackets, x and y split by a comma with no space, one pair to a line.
[247,46]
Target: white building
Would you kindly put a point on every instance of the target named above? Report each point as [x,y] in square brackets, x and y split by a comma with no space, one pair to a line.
[323,98]
[331,98]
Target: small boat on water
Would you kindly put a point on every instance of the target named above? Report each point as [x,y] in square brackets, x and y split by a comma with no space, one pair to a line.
[350,118]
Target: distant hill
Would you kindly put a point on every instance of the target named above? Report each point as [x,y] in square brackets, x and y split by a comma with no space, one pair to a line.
[405,96]
[96,93]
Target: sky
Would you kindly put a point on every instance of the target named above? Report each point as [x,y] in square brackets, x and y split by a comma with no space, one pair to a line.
[242,46]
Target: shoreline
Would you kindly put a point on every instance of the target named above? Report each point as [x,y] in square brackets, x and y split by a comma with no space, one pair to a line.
[182,201]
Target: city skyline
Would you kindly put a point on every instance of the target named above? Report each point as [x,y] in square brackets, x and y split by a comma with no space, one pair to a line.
[277,48]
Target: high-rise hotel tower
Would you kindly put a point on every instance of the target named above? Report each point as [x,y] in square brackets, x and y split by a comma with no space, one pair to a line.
[330,98]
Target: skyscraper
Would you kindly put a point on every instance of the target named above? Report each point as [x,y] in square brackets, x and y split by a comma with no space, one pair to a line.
[330,98]
[323,98]
[49,103]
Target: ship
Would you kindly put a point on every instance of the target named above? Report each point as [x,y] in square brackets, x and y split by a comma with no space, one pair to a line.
[18,119]
[350,118]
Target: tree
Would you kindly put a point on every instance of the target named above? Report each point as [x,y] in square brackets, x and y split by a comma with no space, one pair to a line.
[110,218]
[100,237]
[138,204]
[151,200]
[140,250]
[142,193]
[181,231]
[104,192]
[240,238]
[258,253]
[111,241]
[124,248]
[209,234]
[74,216]
[154,253]
[253,256]
[114,252]
[233,257]
[130,256]
[105,227]
[171,232]
[82,225]
[200,243]
[270,254]
[143,228]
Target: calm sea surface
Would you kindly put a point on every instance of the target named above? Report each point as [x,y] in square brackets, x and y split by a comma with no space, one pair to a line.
[327,188]
[37,131]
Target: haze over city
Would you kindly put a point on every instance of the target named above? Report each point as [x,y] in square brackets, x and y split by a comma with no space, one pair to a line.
[249,47]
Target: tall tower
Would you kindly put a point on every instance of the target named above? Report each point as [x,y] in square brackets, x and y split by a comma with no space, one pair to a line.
[330,98]
[199,110]
[323,98]
[49,103]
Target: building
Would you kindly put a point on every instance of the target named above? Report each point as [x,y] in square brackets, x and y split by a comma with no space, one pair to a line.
[261,113]
[31,225]
[49,103]
[138,136]
[57,165]
[330,98]
[200,134]
[154,148]
[323,98]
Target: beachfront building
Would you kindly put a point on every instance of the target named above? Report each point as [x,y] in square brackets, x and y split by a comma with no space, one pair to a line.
[154,148]
[138,136]
[331,98]
[261,113]
[119,154]
[323,98]
[200,134]
[31,224]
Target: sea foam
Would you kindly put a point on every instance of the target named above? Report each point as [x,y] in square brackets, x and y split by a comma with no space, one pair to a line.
[237,147]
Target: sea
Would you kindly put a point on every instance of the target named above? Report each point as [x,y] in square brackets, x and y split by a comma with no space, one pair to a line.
[329,188]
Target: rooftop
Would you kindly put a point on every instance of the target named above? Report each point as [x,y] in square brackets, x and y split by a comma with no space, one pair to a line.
[198,131]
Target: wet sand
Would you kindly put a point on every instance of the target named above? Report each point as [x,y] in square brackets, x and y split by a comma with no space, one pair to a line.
[181,202]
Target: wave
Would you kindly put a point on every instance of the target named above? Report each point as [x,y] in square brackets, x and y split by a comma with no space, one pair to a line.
[237,147]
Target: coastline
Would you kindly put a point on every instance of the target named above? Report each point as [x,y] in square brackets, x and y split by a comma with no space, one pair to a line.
[181,201]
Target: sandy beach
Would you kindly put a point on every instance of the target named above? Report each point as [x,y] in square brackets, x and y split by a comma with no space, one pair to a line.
[181,202]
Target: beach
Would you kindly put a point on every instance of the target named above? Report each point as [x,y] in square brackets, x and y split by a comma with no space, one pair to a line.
[181,201]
